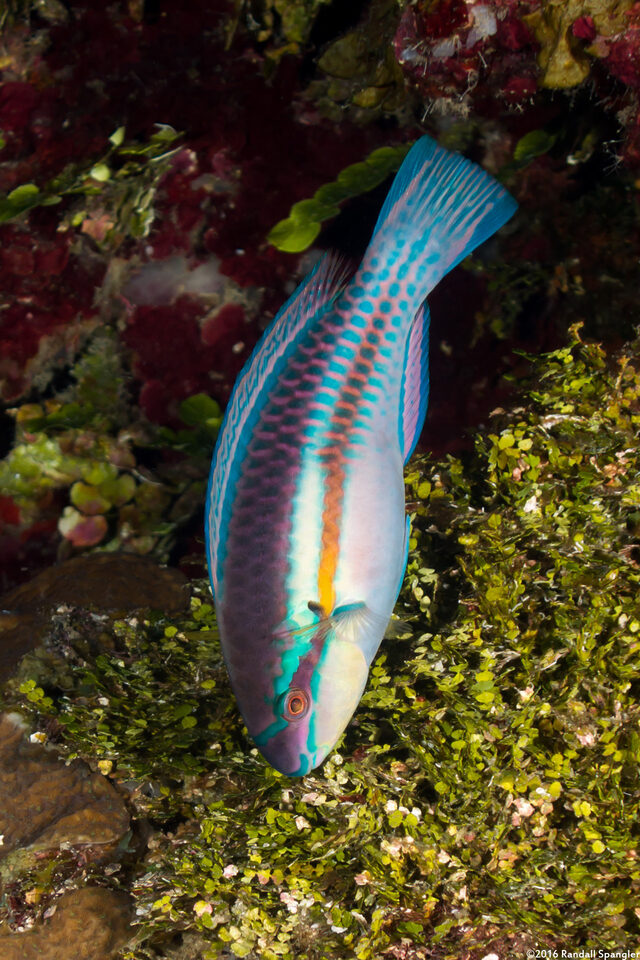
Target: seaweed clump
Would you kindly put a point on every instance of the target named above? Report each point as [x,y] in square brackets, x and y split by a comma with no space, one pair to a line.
[485,795]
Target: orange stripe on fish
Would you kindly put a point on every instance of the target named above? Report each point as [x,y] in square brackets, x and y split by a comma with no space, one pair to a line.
[330,540]
[343,417]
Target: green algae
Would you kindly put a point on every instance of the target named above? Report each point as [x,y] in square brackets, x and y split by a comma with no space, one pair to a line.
[298,231]
[86,443]
[487,789]
[112,197]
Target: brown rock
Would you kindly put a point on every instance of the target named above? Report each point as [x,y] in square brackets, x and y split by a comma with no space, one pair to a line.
[89,924]
[19,633]
[103,581]
[99,581]
[45,803]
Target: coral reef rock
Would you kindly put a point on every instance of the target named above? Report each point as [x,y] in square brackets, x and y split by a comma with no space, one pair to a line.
[100,582]
[45,803]
[89,924]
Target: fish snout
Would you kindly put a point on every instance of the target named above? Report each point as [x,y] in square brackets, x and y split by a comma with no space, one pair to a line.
[302,744]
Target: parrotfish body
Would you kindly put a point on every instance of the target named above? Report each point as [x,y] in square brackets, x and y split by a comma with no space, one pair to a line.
[306,530]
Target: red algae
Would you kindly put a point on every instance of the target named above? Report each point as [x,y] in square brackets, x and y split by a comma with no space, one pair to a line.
[468,52]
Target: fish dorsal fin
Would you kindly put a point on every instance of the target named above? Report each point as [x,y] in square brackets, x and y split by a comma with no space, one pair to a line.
[311,298]
[414,391]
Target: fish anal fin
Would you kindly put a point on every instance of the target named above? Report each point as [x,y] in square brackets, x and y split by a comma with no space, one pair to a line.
[414,392]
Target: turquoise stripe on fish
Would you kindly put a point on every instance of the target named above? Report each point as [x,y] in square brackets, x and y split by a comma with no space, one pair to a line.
[306,531]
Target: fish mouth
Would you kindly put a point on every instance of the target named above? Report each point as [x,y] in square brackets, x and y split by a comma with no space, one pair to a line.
[331,676]
[295,762]
[289,758]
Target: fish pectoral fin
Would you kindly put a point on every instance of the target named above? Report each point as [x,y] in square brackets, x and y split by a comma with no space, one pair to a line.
[290,634]
[397,628]
[349,620]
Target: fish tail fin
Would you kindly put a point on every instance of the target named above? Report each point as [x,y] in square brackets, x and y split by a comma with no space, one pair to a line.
[440,207]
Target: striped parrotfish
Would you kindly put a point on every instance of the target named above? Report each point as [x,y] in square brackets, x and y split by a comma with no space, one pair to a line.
[307,536]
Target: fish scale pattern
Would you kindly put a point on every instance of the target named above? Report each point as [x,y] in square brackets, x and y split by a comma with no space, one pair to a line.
[338,381]
[265,366]
[323,406]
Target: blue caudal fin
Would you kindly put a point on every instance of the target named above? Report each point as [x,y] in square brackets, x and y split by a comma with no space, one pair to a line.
[441,206]
[414,390]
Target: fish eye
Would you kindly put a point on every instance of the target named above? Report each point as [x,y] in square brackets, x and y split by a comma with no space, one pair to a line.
[294,704]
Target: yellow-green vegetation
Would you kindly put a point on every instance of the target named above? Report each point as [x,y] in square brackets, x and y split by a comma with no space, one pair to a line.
[488,785]
[362,76]
[562,62]
[284,25]
[298,231]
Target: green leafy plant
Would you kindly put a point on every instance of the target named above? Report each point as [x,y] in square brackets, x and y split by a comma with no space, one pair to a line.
[302,226]
[533,144]
[87,442]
